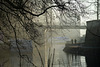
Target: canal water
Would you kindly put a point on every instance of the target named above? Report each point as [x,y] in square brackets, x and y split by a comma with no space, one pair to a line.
[63,59]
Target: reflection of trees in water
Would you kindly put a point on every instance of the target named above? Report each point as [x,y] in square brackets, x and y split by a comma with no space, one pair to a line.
[74,60]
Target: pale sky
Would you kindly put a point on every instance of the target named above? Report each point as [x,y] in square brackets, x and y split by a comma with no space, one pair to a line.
[90,16]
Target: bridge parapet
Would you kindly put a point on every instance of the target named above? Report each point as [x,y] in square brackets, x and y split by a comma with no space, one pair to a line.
[65,27]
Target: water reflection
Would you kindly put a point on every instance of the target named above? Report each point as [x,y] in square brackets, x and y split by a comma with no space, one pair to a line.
[63,59]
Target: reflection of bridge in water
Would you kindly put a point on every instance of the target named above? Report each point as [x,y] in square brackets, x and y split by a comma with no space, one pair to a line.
[66,27]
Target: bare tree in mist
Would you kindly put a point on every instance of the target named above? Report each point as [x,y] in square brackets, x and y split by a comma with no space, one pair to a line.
[20,19]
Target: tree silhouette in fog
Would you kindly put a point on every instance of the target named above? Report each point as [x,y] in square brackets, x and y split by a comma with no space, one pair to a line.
[20,19]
